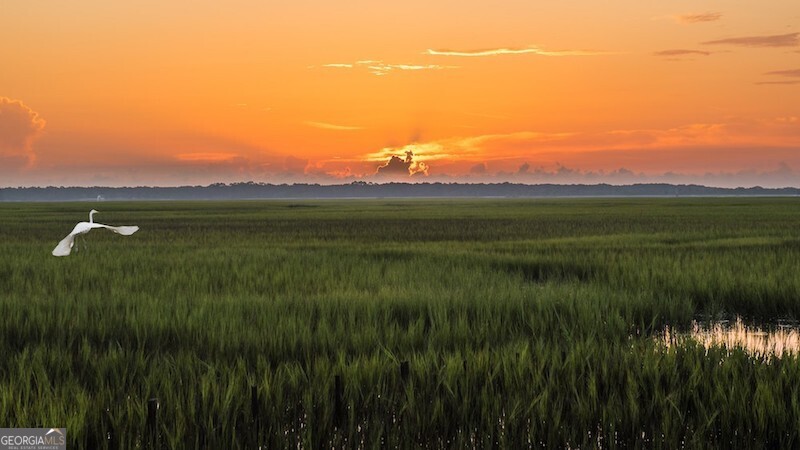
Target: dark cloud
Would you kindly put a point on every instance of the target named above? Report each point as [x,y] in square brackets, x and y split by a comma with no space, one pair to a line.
[778,40]
[19,127]
[681,52]
[699,18]
[523,168]
[397,166]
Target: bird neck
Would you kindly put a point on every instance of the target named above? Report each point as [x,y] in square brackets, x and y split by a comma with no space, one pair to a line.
[91,218]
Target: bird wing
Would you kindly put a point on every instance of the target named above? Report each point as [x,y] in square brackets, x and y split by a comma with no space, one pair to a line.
[65,246]
[124,230]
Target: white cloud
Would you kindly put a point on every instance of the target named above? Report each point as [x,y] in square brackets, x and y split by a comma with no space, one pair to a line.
[381,68]
[512,51]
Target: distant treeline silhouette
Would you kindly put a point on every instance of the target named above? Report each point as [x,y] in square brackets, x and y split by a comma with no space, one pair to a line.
[361,189]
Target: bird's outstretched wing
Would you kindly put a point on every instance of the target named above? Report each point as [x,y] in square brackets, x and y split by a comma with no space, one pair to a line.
[125,230]
[65,246]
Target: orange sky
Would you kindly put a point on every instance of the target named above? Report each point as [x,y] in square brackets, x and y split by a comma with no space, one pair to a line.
[171,93]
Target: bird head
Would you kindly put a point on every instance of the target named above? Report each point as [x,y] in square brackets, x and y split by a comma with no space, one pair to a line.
[91,213]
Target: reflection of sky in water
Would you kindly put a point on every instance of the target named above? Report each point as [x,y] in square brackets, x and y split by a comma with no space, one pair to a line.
[769,340]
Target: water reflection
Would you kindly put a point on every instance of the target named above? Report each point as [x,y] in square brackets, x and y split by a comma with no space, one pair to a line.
[762,341]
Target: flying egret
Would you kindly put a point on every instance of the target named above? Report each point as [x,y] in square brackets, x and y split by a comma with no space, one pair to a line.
[65,246]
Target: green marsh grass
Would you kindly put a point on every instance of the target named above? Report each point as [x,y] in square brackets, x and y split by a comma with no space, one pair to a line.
[524,323]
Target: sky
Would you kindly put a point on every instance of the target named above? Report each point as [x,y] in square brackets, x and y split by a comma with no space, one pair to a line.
[123,93]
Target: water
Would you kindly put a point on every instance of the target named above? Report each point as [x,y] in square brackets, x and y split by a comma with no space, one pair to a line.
[767,340]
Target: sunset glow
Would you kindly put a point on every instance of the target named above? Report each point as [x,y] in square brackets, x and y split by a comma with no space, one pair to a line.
[175,93]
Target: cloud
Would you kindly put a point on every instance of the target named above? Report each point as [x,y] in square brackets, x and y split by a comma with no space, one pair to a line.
[698,17]
[795,73]
[778,40]
[790,73]
[380,68]
[397,166]
[330,126]
[786,82]
[681,52]
[19,127]
[383,69]
[510,51]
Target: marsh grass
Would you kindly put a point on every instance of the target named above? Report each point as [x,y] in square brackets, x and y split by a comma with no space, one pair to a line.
[523,323]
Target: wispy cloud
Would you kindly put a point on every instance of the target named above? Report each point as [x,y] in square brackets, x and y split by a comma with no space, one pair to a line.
[510,51]
[331,126]
[698,17]
[794,73]
[681,52]
[790,73]
[380,68]
[777,40]
[377,67]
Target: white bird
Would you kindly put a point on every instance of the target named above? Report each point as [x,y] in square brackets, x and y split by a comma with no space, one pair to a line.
[65,246]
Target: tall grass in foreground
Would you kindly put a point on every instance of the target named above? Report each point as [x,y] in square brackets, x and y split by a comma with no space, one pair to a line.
[521,323]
